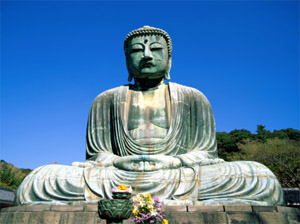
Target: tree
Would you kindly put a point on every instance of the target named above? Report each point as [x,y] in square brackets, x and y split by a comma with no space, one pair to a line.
[227,142]
[289,133]
[10,176]
[282,156]
[262,133]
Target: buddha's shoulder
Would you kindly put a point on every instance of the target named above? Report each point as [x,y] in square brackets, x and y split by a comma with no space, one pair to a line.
[187,90]
[110,93]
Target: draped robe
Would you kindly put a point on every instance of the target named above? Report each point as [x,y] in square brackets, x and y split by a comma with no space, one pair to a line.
[191,138]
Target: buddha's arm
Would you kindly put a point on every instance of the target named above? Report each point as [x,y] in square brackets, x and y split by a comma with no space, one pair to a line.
[101,159]
[98,138]
[202,149]
[198,158]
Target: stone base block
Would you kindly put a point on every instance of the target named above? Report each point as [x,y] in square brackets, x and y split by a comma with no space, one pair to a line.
[87,214]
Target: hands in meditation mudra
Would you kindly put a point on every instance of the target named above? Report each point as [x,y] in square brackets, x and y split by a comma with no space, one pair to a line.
[158,138]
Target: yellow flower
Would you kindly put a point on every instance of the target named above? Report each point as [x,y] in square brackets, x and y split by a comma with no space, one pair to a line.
[165,221]
[138,198]
[135,213]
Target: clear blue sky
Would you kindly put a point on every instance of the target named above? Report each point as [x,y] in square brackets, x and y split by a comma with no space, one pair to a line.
[56,57]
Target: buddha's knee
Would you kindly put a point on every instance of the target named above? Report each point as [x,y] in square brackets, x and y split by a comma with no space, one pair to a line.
[246,170]
[252,168]
[51,182]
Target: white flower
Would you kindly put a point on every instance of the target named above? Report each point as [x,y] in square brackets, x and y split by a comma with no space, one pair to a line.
[150,206]
[153,213]
[142,203]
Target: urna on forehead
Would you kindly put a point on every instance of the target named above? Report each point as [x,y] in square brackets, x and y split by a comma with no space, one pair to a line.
[148,38]
[145,31]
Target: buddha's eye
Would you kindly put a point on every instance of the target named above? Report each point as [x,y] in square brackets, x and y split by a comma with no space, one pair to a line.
[156,47]
[136,50]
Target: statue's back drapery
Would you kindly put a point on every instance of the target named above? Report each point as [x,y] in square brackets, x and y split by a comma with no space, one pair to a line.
[180,164]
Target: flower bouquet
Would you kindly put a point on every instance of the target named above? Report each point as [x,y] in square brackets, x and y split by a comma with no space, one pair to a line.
[148,210]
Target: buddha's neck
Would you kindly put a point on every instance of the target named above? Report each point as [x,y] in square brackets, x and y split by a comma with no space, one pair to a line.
[147,84]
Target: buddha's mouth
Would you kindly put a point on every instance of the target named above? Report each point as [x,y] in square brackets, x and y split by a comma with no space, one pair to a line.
[147,65]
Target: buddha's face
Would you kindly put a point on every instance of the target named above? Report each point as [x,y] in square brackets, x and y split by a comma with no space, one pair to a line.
[147,57]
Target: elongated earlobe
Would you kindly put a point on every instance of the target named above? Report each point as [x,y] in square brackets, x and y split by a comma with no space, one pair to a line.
[167,74]
[129,78]
[129,75]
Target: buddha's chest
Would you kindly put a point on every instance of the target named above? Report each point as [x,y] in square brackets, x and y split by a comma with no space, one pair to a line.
[148,114]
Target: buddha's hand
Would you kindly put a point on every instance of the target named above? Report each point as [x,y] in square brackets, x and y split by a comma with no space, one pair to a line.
[206,162]
[146,163]
[85,164]
[201,162]
[211,161]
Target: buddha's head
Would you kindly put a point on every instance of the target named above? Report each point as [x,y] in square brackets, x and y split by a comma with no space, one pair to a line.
[148,53]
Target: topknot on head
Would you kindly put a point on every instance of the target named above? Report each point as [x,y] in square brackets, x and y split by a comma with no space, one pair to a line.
[148,30]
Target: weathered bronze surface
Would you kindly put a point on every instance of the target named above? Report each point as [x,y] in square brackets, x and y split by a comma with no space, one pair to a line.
[158,138]
[115,210]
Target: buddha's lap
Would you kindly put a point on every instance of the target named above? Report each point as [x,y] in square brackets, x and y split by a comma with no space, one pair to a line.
[240,179]
[220,171]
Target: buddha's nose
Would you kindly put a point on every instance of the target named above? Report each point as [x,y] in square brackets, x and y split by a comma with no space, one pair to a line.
[147,53]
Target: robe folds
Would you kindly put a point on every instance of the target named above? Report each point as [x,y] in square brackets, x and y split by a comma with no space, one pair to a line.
[191,138]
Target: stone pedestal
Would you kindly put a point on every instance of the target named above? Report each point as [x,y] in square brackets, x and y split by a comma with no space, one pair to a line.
[87,214]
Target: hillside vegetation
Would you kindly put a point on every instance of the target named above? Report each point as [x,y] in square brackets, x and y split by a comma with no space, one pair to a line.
[11,176]
[278,150]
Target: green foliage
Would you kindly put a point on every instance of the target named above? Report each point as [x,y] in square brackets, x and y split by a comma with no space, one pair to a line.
[278,150]
[288,133]
[10,176]
[262,133]
[282,156]
[228,142]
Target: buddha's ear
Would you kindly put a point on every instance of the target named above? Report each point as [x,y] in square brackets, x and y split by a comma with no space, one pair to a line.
[167,74]
[129,75]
